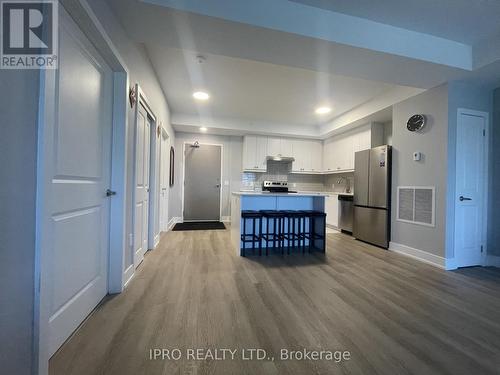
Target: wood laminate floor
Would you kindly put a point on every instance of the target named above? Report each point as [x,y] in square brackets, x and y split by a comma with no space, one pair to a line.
[393,314]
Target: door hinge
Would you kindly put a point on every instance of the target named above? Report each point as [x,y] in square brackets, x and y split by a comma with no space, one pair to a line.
[481,248]
[484,132]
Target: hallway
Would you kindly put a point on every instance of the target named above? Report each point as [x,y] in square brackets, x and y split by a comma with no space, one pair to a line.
[393,314]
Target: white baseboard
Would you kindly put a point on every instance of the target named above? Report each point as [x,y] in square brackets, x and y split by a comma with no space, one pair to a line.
[226,219]
[493,260]
[128,275]
[174,220]
[423,256]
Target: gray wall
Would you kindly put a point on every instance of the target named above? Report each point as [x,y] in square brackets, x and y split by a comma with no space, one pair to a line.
[387,133]
[231,169]
[494,197]
[140,71]
[431,171]
[438,145]
[18,144]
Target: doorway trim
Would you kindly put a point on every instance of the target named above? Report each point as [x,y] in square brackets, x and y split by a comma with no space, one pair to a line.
[484,229]
[164,169]
[152,208]
[184,173]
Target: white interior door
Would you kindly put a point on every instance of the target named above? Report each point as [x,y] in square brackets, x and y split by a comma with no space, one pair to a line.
[141,197]
[77,212]
[164,180]
[470,187]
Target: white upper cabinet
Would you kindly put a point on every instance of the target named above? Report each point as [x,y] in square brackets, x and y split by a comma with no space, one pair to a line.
[335,154]
[278,146]
[255,153]
[299,152]
[308,156]
[286,147]
[316,156]
[338,151]
[274,146]
[363,139]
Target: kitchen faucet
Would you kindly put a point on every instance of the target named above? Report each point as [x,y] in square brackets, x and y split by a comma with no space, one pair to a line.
[347,183]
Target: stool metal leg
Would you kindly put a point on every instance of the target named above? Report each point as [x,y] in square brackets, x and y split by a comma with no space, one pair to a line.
[267,236]
[282,235]
[253,236]
[260,235]
[244,234]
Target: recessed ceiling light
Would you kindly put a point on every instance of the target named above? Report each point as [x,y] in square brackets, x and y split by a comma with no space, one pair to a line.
[323,110]
[201,95]
[203,129]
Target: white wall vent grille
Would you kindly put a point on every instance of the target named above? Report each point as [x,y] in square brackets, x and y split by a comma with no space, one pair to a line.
[416,204]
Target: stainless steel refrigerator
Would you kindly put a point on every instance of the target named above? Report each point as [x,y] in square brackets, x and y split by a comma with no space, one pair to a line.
[372,195]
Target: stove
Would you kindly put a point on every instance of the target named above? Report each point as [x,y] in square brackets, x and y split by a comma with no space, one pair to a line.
[276,187]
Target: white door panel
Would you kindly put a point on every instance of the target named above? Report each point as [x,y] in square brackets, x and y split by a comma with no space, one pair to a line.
[141,198]
[164,181]
[470,184]
[78,211]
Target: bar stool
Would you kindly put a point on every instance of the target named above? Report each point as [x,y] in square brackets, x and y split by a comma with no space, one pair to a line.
[311,235]
[276,236]
[253,237]
[295,225]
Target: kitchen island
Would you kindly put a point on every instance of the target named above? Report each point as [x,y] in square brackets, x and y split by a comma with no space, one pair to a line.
[252,200]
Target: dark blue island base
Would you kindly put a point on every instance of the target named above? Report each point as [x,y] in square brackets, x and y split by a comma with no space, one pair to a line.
[267,223]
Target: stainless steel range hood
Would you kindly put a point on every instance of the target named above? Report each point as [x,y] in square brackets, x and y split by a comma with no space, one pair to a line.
[284,159]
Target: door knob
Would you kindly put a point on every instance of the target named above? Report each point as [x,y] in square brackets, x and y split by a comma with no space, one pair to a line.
[110,193]
[462,198]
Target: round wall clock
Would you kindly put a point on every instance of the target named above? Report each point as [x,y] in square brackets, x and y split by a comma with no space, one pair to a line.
[415,123]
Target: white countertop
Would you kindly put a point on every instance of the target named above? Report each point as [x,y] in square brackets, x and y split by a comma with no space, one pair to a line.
[339,193]
[268,194]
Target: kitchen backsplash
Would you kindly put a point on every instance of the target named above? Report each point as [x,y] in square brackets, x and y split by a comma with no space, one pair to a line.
[279,171]
[339,182]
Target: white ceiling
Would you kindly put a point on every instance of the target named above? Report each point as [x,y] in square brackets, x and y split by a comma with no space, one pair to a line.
[256,91]
[465,21]
[267,73]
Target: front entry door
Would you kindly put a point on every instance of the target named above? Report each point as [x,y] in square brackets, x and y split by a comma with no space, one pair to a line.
[78,209]
[470,187]
[202,182]
[142,154]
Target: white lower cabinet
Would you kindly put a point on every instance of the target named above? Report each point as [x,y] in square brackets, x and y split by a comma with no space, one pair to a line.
[332,210]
